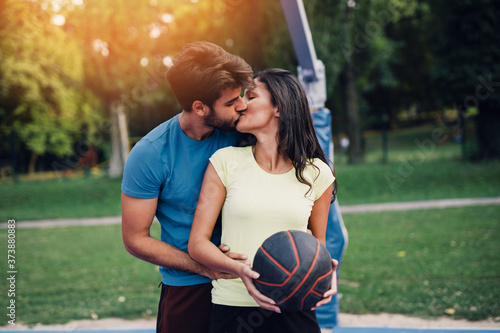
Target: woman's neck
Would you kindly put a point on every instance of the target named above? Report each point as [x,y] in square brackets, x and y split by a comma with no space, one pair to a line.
[267,157]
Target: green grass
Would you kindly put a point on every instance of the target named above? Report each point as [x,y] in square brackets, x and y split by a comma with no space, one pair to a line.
[417,169]
[79,272]
[432,179]
[423,263]
[415,262]
[60,198]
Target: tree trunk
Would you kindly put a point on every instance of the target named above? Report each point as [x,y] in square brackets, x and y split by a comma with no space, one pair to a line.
[32,165]
[355,149]
[488,136]
[119,139]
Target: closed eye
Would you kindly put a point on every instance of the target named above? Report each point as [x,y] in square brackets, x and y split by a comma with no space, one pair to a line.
[231,102]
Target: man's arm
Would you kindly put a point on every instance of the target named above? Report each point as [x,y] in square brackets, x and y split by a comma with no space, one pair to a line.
[137,217]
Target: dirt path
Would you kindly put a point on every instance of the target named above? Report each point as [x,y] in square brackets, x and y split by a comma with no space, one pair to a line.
[345,209]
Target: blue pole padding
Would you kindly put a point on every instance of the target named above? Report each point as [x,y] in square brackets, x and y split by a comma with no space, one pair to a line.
[336,233]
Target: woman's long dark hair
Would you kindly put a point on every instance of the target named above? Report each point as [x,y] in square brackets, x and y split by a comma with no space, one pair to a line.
[296,133]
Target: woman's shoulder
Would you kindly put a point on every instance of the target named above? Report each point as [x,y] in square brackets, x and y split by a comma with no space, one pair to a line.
[319,166]
[230,152]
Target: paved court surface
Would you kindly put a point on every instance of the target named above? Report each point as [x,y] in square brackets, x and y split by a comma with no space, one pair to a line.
[405,330]
[336,330]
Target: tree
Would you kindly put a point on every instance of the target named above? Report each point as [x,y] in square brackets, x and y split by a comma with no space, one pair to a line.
[128,46]
[466,45]
[350,39]
[114,36]
[413,58]
[41,82]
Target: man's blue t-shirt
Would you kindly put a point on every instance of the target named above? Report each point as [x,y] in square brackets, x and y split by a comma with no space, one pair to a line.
[167,164]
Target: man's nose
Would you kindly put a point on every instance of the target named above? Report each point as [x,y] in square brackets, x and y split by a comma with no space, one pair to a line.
[240,105]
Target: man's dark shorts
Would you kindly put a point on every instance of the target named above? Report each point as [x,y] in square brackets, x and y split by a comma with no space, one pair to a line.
[184,309]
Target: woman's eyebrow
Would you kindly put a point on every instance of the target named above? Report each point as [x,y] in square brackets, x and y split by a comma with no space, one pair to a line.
[248,91]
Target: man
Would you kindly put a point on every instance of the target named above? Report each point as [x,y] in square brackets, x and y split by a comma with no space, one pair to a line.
[164,173]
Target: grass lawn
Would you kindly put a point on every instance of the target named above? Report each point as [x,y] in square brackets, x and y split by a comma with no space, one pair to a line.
[417,169]
[60,198]
[424,263]
[417,262]
[80,273]
[437,178]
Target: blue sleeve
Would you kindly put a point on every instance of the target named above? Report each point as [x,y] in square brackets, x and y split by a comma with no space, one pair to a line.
[143,173]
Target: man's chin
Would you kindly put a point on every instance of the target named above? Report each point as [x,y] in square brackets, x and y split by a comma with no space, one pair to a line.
[227,127]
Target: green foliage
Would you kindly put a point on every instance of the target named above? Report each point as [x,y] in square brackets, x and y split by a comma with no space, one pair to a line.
[467,46]
[41,88]
[406,55]
[467,72]
[325,20]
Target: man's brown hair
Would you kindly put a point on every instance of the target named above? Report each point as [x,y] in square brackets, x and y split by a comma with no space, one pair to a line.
[202,70]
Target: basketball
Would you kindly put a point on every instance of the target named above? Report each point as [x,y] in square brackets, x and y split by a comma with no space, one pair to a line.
[295,269]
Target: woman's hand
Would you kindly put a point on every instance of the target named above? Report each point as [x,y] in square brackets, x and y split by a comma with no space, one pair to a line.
[327,297]
[233,255]
[247,275]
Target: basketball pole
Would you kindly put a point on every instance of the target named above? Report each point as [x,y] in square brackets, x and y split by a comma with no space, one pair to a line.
[311,74]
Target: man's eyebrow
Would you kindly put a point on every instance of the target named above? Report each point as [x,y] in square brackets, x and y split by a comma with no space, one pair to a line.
[232,100]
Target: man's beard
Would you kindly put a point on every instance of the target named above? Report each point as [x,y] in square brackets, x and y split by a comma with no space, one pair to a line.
[226,125]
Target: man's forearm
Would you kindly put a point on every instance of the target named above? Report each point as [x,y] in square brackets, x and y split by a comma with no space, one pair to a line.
[163,254]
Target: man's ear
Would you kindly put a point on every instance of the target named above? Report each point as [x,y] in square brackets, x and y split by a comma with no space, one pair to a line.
[199,108]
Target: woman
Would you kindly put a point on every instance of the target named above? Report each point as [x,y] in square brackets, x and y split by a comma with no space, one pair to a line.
[280,182]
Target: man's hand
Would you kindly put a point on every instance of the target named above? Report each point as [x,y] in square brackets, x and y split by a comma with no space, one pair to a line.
[327,297]
[214,275]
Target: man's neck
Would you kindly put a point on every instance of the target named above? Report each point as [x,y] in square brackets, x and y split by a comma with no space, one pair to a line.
[192,125]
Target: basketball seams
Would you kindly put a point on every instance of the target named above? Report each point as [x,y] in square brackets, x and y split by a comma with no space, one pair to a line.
[275,261]
[303,287]
[290,274]
[311,290]
[313,263]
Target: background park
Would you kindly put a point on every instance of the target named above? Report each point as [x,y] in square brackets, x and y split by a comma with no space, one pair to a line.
[414,91]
